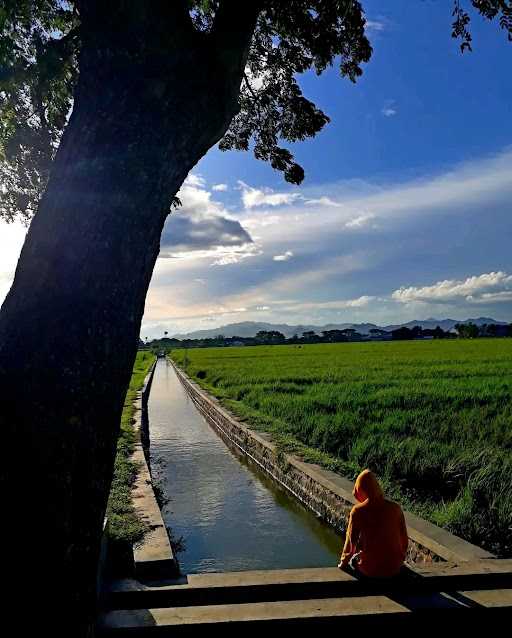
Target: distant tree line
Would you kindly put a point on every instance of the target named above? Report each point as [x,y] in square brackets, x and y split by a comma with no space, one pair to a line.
[472,331]
[275,338]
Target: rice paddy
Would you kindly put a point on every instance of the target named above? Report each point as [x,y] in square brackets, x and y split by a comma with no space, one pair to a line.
[432,418]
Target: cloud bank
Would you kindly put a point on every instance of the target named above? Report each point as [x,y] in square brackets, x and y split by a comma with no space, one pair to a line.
[348,251]
[495,286]
[358,250]
[202,227]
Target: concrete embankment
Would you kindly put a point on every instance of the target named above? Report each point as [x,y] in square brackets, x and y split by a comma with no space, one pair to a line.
[324,492]
[153,556]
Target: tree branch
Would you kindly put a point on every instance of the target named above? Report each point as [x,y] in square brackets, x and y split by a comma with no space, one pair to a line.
[65,46]
[234,26]
[248,85]
[62,47]
[177,13]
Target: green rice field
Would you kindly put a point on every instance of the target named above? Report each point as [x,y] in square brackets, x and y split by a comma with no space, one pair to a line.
[432,418]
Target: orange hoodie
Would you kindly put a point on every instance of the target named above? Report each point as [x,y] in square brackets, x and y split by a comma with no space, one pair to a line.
[376,530]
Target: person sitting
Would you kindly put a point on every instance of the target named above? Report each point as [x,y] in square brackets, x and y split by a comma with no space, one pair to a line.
[376,540]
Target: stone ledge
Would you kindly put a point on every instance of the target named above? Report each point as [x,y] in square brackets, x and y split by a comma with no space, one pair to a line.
[328,494]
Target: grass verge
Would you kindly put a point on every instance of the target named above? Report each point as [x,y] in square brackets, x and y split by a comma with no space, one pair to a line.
[125,527]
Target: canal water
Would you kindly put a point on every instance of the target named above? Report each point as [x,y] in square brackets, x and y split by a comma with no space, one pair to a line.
[229,514]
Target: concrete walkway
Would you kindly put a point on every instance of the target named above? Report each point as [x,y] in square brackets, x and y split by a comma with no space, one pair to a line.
[469,594]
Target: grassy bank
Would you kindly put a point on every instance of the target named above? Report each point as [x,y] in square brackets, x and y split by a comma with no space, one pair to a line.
[433,419]
[124,524]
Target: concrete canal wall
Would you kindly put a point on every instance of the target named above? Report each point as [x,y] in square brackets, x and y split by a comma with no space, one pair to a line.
[324,492]
[153,557]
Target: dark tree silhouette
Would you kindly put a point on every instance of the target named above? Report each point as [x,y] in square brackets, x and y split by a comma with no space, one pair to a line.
[467,330]
[106,107]
[270,337]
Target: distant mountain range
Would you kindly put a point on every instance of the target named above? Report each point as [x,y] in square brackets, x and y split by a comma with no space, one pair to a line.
[250,328]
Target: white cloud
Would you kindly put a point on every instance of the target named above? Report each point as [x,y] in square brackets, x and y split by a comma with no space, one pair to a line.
[321,201]
[493,286]
[387,208]
[236,254]
[389,109]
[470,184]
[364,300]
[263,219]
[220,187]
[252,197]
[491,297]
[194,180]
[286,289]
[312,221]
[375,26]
[284,257]
[262,308]
[227,260]
[336,304]
[361,221]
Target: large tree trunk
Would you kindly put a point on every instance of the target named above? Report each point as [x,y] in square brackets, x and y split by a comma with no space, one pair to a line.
[70,324]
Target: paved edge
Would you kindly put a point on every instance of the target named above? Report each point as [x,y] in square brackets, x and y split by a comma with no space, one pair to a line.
[153,556]
[329,490]
[323,609]
[445,573]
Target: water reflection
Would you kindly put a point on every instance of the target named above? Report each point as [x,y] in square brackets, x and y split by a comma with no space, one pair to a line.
[230,514]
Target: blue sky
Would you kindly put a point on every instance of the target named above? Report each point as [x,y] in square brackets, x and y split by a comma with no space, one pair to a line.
[448,107]
[404,213]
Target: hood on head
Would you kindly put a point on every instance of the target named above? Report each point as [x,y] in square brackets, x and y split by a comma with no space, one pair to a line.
[367,487]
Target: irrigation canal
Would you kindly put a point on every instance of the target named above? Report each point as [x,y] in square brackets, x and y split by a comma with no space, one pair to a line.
[231,516]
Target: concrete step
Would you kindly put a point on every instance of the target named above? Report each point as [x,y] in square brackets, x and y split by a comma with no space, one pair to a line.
[302,584]
[467,608]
